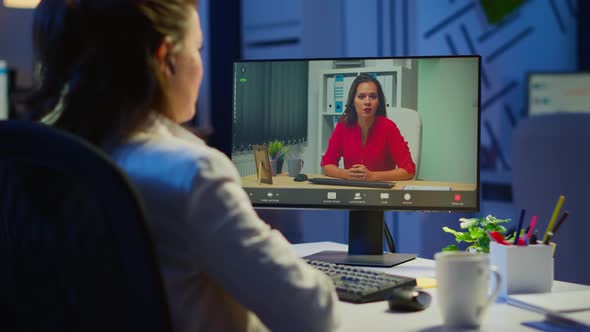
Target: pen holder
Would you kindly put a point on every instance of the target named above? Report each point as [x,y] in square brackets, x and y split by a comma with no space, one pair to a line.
[524,269]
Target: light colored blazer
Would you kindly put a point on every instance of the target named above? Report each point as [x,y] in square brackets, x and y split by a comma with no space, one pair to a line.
[224,269]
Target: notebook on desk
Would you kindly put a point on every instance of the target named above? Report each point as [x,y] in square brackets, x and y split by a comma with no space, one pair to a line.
[352,183]
[569,307]
[567,301]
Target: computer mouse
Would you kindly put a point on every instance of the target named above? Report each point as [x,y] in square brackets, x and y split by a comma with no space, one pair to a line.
[409,299]
[300,178]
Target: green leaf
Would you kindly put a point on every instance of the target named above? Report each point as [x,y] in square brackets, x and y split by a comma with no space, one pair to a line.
[501,229]
[466,223]
[491,227]
[449,230]
[484,243]
[491,219]
[477,233]
[450,247]
[276,146]
[477,248]
[459,236]
[468,237]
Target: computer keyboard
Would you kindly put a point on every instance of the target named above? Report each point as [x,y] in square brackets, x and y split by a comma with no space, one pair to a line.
[352,183]
[359,285]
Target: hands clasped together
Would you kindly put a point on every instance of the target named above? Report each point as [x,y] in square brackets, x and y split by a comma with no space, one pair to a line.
[359,172]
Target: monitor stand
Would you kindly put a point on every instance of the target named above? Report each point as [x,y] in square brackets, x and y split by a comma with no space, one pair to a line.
[365,243]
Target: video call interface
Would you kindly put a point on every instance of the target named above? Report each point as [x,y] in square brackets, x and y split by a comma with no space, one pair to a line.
[285,113]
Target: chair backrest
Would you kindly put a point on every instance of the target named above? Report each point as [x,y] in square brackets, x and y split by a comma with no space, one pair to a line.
[550,158]
[410,125]
[75,251]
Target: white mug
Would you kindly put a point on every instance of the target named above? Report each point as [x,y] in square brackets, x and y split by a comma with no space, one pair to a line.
[463,287]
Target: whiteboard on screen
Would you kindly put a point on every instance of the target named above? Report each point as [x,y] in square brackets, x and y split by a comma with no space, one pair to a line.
[559,92]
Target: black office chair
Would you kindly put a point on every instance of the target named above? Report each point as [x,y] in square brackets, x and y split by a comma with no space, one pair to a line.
[75,252]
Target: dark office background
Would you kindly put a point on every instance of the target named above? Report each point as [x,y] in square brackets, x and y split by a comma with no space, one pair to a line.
[533,35]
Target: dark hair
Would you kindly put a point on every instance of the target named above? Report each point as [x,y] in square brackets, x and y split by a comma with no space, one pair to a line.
[96,62]
[349,117]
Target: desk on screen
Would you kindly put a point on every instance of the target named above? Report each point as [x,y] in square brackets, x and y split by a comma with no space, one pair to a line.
[285,181]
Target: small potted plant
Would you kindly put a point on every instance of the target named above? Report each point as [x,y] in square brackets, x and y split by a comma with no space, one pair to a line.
[476,233]
[276,153]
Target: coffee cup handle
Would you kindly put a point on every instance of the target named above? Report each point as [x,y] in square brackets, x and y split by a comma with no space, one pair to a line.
[496,290]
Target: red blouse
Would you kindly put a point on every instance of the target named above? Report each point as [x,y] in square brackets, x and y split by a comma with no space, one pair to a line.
[385,147]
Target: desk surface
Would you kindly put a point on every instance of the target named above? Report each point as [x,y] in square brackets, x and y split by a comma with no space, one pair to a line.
[283,180]
[377,317]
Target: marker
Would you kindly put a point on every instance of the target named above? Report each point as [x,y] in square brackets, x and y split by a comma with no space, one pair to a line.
[553,217]
[561,221]
[522,212]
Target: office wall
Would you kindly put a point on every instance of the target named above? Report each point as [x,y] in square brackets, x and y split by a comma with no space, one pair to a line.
[539,35]
[15,42]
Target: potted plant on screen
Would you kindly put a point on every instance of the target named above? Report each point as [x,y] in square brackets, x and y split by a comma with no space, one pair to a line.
[276,153]
[476,233]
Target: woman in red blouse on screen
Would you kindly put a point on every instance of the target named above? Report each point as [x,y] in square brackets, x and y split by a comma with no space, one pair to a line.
[371,144]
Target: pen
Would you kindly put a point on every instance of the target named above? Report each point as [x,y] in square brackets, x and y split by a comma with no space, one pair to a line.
[561,221]
[522,212]
[553,217]
[278,155]
[530,232]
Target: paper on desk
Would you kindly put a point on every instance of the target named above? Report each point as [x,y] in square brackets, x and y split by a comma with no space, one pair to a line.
[552,302]
[431,188]
[424,282]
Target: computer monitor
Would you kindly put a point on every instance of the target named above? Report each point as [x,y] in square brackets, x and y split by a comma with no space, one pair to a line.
[558,92]
[428,109]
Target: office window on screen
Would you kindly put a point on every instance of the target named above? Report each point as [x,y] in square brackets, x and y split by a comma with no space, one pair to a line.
[275,95]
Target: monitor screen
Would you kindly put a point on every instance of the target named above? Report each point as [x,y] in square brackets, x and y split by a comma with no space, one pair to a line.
[550,93]
[363,134]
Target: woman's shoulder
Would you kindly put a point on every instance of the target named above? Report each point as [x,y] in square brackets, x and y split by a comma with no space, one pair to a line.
[342,125]
[385,122]
[182,151]
[174,150]
[387,125]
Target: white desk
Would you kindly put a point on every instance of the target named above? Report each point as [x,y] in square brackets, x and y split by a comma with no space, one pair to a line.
[377,317]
